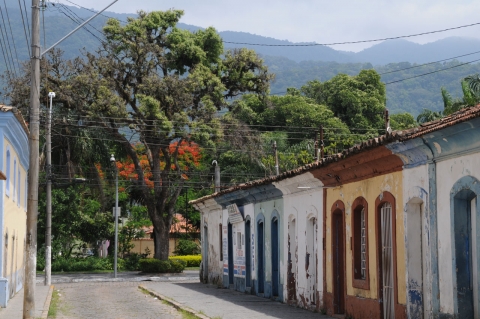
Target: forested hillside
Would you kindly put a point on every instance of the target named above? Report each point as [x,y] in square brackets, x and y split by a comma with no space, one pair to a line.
[411,95]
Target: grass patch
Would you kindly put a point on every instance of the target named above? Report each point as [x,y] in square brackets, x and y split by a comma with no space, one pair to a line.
[192,268]
[187,315]
[52,311]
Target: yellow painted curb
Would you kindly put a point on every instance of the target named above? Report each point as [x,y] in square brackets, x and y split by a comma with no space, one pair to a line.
[46,306]
[173,303]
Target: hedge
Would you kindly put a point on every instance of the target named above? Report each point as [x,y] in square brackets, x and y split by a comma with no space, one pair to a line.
[152,265]
[191,261]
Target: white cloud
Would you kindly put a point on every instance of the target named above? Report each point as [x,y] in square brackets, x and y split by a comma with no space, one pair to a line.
[319,20]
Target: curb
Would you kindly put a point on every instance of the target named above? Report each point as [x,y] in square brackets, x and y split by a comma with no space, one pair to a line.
[173,303]
[46,305]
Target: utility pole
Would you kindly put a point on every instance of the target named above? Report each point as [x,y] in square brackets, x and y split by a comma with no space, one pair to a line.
[48,222]
[34,143]
[387,122]
[322,144]
[32,205]
[277,169]
[115,257]
[217,176]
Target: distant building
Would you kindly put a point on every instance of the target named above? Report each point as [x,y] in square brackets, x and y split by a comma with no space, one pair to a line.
[389,228]
[13,201]
[178,230]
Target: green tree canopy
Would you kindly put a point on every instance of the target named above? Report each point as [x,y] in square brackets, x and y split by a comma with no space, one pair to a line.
[359,101]
[402,121]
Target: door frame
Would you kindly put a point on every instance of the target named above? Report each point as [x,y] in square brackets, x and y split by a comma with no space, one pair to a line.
[472,184]
[386,197]
[338,209]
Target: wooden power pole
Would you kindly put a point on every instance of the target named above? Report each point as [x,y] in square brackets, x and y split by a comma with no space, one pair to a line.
[32,205]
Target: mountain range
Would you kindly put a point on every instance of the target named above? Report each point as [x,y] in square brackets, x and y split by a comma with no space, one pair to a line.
[293,64]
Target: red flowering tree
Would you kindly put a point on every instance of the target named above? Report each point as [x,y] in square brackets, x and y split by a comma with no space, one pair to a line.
[188,158]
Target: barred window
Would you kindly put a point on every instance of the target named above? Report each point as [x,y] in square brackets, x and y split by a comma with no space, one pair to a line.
[359,241]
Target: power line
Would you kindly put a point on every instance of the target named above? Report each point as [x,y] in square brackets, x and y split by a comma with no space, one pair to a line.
[429,63]
[356,42]
[321,44]
[77,22]
[7,42]
[428,73]
[11,33]
[93,11]
[24,27]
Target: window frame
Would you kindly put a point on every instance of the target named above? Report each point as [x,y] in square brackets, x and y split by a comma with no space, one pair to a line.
[355,243]
[14,188]
[7,172]
[19,189]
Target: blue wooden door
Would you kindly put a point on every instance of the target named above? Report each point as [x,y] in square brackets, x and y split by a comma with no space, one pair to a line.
[261,260]
[463,258]
[275,259]
[230,254]
[248,255]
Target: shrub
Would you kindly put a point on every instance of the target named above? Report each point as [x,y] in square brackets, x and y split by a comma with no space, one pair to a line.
[152,265]
[84,264]
[177,266]
[190,261]
[40,264]
[132,261]
[187,247]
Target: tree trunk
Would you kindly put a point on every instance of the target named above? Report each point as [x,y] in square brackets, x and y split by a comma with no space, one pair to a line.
[161,231]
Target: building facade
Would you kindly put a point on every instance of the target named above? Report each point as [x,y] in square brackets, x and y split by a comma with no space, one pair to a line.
[386,229]
[13,201]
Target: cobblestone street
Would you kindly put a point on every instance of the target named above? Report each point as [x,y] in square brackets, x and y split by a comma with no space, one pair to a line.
[110,300]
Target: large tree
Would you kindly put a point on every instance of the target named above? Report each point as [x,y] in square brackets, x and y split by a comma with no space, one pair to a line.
[167,85]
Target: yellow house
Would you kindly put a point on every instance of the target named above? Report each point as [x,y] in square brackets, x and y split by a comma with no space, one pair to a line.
[13,201]
[364,235]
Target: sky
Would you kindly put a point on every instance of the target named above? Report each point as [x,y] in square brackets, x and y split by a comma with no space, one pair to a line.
[318,21]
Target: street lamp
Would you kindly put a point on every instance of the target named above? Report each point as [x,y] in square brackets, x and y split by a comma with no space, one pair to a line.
[112,159]
[48,221]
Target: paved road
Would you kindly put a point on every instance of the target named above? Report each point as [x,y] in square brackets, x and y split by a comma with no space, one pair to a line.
[110,300]
[226,303]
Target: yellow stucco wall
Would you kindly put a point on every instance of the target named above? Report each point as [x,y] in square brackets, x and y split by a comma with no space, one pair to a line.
[14,220]
[370,189]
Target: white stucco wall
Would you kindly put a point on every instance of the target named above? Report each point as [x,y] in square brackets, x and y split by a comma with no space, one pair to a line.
[448,173]
[415,205]
[303,201]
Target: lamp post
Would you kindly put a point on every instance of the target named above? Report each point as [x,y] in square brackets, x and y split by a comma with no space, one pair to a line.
[112,159]
[48,222]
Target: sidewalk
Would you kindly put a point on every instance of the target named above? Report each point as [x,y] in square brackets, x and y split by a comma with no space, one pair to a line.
[14,309]
[224,303]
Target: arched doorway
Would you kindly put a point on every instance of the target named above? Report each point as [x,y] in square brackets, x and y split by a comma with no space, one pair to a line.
[248,254]
[292,262]
[386,214]
[416,248]
[338,257]
[275,258]
[311,261]
[260,257]
[205,253]
[464,205]
[230,254]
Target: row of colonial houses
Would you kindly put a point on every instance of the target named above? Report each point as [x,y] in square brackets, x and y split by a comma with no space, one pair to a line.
[389,228]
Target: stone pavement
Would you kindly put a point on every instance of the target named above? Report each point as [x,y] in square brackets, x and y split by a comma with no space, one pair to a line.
[225,303]
[110,300]
[14,308]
